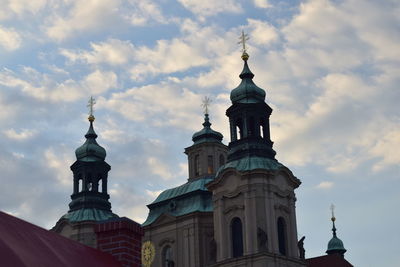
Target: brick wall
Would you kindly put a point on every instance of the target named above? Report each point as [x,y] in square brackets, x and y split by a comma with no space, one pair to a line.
[122,238]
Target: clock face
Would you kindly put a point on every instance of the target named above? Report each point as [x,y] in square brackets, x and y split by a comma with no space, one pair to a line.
[148,253]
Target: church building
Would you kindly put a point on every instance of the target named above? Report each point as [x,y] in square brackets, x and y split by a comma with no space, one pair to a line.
[238,205]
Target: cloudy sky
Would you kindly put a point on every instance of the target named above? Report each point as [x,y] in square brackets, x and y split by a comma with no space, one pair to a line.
[330,69]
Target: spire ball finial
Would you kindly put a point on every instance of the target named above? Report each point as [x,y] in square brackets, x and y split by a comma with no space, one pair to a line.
[90,105]
[243,38]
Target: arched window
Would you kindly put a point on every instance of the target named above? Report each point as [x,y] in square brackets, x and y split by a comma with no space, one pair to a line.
[100,185]
[210,164]
[221,160]
[167,260]
[237,237]
[239,129]
[80,185]
[281,235]
[197,169]
[262,130]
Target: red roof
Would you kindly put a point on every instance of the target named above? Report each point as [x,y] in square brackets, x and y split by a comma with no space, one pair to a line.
[333,260]
[23,244]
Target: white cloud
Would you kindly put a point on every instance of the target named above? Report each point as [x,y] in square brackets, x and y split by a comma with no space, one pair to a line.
[324,185]
[114,52]
[83,15]
[11,8]
[58,159]
[167,57]
[158,104]
[204,8]
[9,39]
[99,82]
[262,3]
[153,194]
[144,11]
[44,87]
[24,134]
[387,148]
[262,33]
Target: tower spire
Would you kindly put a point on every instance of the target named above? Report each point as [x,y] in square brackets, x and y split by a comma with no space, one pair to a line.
[335,245]
[249,116]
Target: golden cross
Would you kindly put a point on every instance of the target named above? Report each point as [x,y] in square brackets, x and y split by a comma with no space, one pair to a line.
[243,38]
[333,210]
[206,103]
[90,105]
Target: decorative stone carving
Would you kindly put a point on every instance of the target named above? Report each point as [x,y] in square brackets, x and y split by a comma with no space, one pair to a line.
[300,245]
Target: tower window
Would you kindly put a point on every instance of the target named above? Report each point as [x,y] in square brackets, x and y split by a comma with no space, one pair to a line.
[80,185]
[237,237]
[210,164]
[282,236]
[238,129]
[197,169]
[167,257]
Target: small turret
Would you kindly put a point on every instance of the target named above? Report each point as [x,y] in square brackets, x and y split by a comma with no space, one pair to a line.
[207,153]
[335,245]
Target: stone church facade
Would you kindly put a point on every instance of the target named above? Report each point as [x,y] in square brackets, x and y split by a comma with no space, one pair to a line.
[238,206]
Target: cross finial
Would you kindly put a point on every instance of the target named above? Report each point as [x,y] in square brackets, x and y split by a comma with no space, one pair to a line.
[90,105]
[333,211]
[243,38]
[206,103]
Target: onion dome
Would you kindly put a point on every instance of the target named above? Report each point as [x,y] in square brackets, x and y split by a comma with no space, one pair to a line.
[206,134]
[90,150]
[247,91]
[335,245]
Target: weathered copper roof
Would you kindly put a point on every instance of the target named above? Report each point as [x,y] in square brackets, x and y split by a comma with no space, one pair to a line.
[90,150]
[251,163]
[187,198]
[247,91]
[89,214]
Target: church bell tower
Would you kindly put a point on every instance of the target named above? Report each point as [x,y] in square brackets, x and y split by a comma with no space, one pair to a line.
[253,194]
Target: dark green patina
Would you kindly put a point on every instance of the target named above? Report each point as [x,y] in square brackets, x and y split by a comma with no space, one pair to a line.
[247,91]
[187,198]
[88,214]
[335,245]
[88,203]
[206,135]
[251,163]
[90,150]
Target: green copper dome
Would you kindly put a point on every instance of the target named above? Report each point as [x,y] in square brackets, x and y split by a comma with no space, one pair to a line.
[207,134]
[247,91]
[335,245]
[90,150]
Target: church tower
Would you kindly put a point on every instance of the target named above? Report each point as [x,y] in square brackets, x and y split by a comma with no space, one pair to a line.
[335,245]
[179,227]
[253,194]
[90,220]
[90,199]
